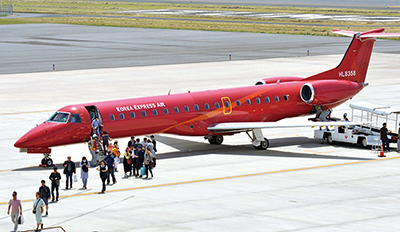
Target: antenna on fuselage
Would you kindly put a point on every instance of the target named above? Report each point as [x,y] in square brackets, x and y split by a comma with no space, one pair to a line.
[169,92]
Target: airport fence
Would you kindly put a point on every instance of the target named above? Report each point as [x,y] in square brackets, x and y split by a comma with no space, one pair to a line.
[6,9]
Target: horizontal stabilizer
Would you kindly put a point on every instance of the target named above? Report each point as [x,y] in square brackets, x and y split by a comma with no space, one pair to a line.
[247,126]
[367,34]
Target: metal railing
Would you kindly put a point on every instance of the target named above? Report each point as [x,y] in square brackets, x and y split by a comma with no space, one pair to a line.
[6,9]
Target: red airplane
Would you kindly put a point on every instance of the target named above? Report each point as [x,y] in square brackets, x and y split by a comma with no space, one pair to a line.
[214,113]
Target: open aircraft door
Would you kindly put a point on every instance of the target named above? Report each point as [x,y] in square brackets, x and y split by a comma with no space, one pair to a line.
[226,105]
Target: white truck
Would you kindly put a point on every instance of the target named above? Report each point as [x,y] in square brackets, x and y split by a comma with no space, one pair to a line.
[366,134]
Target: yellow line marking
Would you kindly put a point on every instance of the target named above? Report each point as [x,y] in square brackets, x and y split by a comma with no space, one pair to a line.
[221,178]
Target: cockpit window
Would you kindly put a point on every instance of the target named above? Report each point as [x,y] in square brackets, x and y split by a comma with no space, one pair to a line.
[75,118]
[59,117]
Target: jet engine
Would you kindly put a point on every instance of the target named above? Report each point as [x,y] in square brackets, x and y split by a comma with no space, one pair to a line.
[328,91]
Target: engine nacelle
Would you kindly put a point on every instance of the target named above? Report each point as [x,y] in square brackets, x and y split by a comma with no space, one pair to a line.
[328,91]
[275,80]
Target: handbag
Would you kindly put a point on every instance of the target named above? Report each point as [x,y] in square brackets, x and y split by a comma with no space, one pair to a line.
[75,178]
[128,161]
[34,208]
[21,220]
[151,164]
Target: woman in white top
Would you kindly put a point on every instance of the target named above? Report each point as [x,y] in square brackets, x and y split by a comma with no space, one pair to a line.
[38,205]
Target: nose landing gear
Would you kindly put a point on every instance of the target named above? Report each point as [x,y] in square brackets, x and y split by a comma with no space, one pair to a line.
[46,161]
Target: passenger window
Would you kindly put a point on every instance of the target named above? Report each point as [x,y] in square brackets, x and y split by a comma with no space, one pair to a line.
[258,100]
[121,116]
[144,114]
[186,108]
[196,107]
[276,98]
[248,102]
[165,111]
[237,102]
[226,104]
[286,97]
[267,99]
[217,105]
[207,106]
[176,110]
[155,112]
[112,117]
[133,115]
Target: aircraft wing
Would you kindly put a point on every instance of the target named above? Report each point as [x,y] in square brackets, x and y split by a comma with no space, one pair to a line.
[248,126]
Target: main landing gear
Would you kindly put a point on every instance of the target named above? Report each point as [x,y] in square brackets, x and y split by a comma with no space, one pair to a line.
[47,161]
[215,139]
[258,140]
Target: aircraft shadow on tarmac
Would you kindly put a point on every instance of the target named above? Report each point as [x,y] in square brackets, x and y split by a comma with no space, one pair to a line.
[190,148]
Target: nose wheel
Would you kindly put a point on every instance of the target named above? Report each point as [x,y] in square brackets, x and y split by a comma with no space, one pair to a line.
[47,161]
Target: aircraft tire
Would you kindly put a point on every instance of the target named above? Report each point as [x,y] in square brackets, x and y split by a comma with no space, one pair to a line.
[263,145]
[43,161]
[216,139]
[329,139]
[49,162]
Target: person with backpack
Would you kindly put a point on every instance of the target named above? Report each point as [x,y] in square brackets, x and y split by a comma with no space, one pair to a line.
[45,195]
[55,178]
[85,165]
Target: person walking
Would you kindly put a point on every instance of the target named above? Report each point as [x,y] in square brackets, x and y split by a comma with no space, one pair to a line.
[110,166]
[103,174]
[38,210]
[69,170]
[16,209]
[45,195]
[55,178]
[127,162]
[106,139]
[85,165]
[146,161]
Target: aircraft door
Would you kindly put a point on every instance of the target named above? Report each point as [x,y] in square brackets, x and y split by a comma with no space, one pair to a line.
[226,105]
[94,112]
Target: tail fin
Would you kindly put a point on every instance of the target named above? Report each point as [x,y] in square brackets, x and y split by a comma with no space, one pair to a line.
[354,64]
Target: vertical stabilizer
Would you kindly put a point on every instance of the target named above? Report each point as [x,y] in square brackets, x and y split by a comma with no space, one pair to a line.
[354,64]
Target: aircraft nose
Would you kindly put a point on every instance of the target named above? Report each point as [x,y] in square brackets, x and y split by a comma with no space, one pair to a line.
[22,142]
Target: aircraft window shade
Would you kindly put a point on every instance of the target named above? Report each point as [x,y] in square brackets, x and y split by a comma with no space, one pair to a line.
[121,116]
[207,106]
[238,103]
[217,105]
[226,104]
[186,108]
[59,117]
[276,98]
[144,114]
[267,99]
[248,102]
[165,111]
[258,100]
[176,110]
[196,107]
[75,118]
[155,112]
[286,97]
[133,115]
[112,117]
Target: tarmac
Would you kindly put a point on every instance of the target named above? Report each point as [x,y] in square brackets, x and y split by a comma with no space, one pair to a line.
[298,184]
